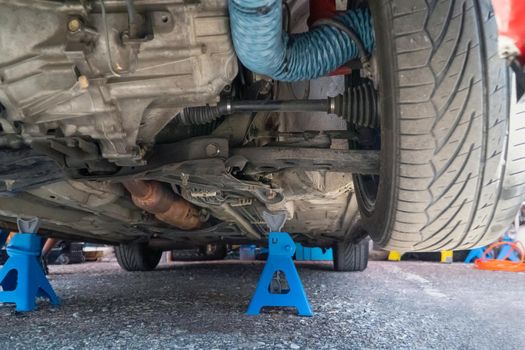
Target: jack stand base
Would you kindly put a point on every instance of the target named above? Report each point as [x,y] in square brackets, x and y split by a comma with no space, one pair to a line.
[281,249]
[22,278]
[476,253]
[507,252]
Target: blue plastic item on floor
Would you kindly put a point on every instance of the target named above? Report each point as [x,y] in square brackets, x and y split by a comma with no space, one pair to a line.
[247,252]
[281,249]
[312,253]
[22,278]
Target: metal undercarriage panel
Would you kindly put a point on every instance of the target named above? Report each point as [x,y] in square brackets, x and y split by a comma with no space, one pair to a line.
[61,77]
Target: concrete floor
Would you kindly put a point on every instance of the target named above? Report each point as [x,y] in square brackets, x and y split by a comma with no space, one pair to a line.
[410,305]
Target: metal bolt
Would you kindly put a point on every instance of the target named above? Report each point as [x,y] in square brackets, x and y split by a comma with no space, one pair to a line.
[212,150]
[74,25]
[184,179]
[266,88]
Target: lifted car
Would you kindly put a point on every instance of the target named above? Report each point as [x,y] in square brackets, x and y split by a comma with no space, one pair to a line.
[159,125]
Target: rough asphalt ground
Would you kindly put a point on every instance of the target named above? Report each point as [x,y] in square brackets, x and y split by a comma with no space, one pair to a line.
[411,305]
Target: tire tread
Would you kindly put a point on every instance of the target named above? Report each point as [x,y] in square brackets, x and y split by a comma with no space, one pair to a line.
[351,256]
[459,178]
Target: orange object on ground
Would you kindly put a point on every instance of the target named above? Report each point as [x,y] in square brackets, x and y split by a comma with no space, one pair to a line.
[502,265]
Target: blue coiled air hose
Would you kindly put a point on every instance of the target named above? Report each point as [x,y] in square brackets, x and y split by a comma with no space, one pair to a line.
[264,48]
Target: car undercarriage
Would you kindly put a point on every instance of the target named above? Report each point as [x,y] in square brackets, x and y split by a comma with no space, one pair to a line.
[101,132]
[177,123]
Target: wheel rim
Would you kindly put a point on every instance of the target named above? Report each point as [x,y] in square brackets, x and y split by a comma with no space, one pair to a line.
[367,186]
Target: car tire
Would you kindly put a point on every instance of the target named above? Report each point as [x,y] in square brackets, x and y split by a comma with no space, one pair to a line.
[452,151]
[349,256]
[137,257]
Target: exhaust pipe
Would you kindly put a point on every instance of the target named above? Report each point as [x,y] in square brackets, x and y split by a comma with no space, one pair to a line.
[168,207]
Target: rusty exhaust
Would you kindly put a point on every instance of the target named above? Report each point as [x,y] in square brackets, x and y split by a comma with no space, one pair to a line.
[168,207]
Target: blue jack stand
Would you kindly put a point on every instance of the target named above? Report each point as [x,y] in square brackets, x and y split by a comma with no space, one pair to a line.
[281,249]
[22,278]
[475,254]
[507,252]
[502,255]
